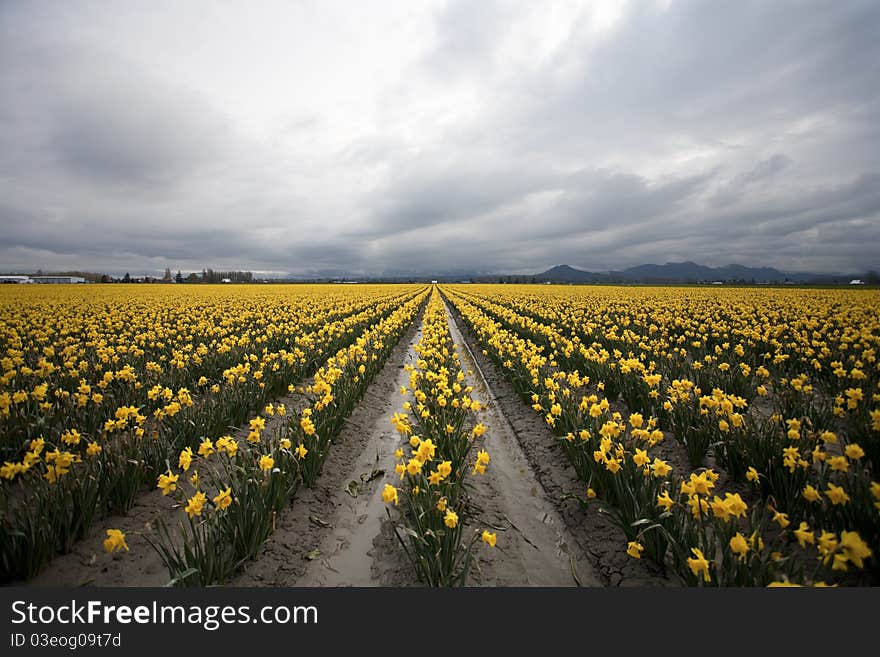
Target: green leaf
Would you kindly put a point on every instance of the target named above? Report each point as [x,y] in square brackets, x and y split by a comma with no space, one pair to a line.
[181,577]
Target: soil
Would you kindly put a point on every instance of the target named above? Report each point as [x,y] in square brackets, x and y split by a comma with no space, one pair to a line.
[535,546]
[592,534]
[89,565]
[342,520]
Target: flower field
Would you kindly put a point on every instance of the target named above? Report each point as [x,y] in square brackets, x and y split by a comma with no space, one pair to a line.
[732,435]
[107,391]
[773,392]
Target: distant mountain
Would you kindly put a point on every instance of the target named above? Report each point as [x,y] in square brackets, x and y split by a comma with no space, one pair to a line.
[685,272]
[566,274]
[671,271]
[691,272]
[740,272]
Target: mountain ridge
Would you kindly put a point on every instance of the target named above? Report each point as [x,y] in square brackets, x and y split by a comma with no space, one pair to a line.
[684,272]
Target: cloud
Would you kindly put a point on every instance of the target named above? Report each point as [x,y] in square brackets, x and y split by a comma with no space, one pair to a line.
[439,136]
[134,134]
[465,36]
[761,172]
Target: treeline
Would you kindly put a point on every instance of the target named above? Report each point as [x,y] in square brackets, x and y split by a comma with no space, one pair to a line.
[206,276]
[211,276]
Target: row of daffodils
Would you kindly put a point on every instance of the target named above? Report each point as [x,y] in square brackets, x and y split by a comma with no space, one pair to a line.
[102,388]
[777,388]
[231,490]
[433,518]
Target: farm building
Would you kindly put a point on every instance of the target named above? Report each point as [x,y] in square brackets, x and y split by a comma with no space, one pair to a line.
[57,279]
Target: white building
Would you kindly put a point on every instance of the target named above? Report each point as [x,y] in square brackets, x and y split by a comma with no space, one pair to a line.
[15,279]
[57,279]
[857,281]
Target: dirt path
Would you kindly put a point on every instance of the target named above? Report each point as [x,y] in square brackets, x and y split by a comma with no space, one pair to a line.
[535,548]
[332,538]
[335,534]
[326,517]
[591,533]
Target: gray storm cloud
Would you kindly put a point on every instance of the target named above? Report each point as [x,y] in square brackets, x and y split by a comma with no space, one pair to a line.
[439,136]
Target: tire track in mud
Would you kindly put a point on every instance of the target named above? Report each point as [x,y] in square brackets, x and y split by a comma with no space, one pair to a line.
[335,534]
[331,538]
[535,547]
[594,534]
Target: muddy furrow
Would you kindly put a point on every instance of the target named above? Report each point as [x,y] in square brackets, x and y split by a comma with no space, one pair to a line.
[535,548]
[89,565]
[335,534]
[592,534]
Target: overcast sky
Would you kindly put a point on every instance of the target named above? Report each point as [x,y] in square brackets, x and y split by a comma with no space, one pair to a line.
[323,136]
